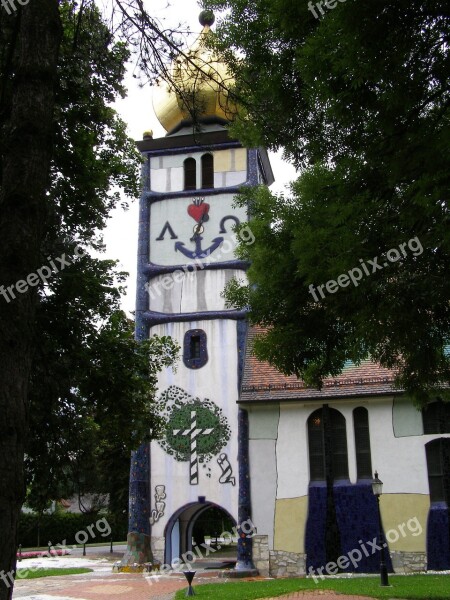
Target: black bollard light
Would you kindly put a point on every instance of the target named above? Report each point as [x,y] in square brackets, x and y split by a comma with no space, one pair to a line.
[20,552]
[84,549]
[189,576]
[111,545]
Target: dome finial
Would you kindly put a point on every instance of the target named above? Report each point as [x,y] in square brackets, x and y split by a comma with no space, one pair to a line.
[206,18]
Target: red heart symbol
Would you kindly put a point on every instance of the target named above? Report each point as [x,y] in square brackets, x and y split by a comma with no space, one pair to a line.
[198,211]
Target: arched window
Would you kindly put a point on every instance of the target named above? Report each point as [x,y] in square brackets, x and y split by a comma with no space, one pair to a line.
[362,443]
[207,171]
[436,417]
[190,174]
[327,440]
[438,464]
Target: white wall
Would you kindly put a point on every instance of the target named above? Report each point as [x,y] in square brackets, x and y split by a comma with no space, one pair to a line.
[190,291]
[217,381]
[174,211]
[167,172]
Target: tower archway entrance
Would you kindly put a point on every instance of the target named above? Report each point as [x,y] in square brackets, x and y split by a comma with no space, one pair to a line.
[191,526]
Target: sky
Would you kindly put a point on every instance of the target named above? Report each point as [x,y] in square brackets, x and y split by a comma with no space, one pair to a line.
[136,110]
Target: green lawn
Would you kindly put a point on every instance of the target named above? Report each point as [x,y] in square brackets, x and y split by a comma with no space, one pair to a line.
[424,587]
[36,573]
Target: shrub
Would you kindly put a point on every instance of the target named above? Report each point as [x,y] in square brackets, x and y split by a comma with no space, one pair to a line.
[62,528]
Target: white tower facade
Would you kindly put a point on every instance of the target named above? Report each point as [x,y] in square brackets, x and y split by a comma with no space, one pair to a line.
[187,242]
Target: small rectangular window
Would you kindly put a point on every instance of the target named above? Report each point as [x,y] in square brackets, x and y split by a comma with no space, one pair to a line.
[195,347]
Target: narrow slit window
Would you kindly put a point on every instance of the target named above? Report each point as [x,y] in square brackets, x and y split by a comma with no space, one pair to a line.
[438,459]
[207,171]
[190,174]
[362,443]
[436,417]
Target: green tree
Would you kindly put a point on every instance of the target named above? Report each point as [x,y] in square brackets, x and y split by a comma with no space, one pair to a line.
[92,385]
[62,151]
[92,403]
[359,100]
[29,43]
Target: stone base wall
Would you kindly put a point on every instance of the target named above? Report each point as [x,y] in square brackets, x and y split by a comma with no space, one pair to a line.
[286,564]
[278,563]
[409,562]
[157,545]
[261,554]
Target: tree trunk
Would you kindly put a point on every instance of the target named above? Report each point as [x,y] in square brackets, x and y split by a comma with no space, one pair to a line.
[30,39]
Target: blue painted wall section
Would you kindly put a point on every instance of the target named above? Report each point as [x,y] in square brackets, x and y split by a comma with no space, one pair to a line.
[315,526]
[357,519]
[242,328]
[245,543]
[438,537]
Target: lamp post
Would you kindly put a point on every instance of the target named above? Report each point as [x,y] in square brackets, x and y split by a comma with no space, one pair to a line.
[377,489]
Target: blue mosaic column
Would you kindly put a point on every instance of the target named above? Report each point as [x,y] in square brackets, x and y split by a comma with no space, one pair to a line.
[245,530]
[138,539]
[139,529]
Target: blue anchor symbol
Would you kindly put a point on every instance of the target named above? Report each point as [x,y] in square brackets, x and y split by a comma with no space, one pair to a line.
[198,253]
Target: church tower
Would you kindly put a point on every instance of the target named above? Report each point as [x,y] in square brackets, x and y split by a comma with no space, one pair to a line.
[186,256]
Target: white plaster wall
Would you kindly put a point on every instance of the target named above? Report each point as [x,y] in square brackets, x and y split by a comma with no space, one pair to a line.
[292,452]
[167,172]
[174,211]
[401,462]
[190,291]
[263,485]
[217,380]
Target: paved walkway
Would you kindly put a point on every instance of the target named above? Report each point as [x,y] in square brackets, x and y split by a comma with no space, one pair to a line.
[134,587]
[103,584]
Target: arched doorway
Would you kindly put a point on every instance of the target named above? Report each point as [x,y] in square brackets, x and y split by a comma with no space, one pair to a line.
[197,519]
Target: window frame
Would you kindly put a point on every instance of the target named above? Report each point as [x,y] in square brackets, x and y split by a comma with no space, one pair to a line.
[195,362]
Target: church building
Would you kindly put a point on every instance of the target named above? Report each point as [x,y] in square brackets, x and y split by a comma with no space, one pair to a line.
[290,466]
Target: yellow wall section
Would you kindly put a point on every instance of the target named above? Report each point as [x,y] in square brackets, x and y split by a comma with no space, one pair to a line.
[410,510]
[290,523]
[223,160]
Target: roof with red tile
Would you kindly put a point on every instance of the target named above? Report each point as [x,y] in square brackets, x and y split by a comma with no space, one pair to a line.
[264,383]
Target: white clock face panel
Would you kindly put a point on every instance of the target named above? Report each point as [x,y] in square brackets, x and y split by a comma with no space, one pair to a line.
[188,230]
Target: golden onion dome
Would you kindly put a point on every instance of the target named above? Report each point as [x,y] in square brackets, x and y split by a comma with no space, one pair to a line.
[198,85]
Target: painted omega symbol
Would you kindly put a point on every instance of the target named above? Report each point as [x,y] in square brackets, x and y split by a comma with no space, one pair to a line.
[199,212]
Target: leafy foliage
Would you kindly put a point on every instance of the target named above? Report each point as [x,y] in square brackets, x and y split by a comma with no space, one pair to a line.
[92,385]
[359,99]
